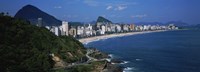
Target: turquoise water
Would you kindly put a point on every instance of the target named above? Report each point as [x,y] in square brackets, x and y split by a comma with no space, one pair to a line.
[171,51]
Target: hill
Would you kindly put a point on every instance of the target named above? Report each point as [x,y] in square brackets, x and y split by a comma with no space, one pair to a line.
[102,19]
[32,14]
[28,48]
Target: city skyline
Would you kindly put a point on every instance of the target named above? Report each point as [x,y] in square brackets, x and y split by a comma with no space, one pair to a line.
[127,11]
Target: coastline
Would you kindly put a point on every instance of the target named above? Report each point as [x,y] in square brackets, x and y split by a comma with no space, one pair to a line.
[115,63]
[96,38]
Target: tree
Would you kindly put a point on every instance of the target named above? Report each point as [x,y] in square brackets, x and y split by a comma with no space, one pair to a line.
[27,48]
[7,13]
[20,50]
[2,14]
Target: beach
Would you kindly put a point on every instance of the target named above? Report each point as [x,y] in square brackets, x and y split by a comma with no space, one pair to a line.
[96,38]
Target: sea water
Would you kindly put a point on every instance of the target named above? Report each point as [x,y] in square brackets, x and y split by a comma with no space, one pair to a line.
[170,51]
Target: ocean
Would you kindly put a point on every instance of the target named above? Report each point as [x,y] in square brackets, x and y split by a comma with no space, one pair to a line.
[170,51]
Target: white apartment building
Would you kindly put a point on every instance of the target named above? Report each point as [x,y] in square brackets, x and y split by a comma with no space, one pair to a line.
[65,28]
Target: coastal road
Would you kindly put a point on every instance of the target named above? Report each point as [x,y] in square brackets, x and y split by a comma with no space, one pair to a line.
[90,59]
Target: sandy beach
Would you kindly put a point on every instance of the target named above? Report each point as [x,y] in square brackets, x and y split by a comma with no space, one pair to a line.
[96,38]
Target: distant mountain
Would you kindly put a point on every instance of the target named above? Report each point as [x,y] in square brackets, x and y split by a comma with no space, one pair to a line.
[178,23]
[75,24]
[92,22]
[102,19]
[149,23]
[32,14]
[198,25]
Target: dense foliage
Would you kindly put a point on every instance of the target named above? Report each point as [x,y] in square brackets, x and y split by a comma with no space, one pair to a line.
[96,66]
[27,48]
[69,49]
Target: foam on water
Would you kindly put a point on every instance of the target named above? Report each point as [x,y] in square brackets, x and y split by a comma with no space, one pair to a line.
[128,69]
[111,55]
[124,62]
[108,59]
[91,41]
[138,59]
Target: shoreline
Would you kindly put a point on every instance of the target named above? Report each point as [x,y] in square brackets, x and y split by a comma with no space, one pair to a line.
[96,38]
[112,61]
[115,62]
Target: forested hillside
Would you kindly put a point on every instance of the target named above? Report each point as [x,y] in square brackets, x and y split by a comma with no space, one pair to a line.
[28,48]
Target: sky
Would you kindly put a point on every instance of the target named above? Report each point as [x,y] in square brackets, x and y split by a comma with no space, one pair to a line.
[123,11]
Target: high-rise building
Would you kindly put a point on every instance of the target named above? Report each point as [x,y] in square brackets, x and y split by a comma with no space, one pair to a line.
[57,31]
[65,28]
[39,24]
[118,28]
[103,29]
[125,27]
[98,25]
[132,27]
[80,30]
[72,31]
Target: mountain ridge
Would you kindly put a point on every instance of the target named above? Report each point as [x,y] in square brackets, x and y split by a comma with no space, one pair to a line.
[32,13]
[102,19]
[177,23]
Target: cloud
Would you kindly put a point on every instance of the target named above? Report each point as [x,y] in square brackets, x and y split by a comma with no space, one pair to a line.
[116,8]
[139,16]
[58,7]
[109,7]
[119,8]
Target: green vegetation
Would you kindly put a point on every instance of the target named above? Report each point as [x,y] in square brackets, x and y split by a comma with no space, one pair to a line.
[99,55]
[27,48]
[92,67]
[80,68]
[69,49]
